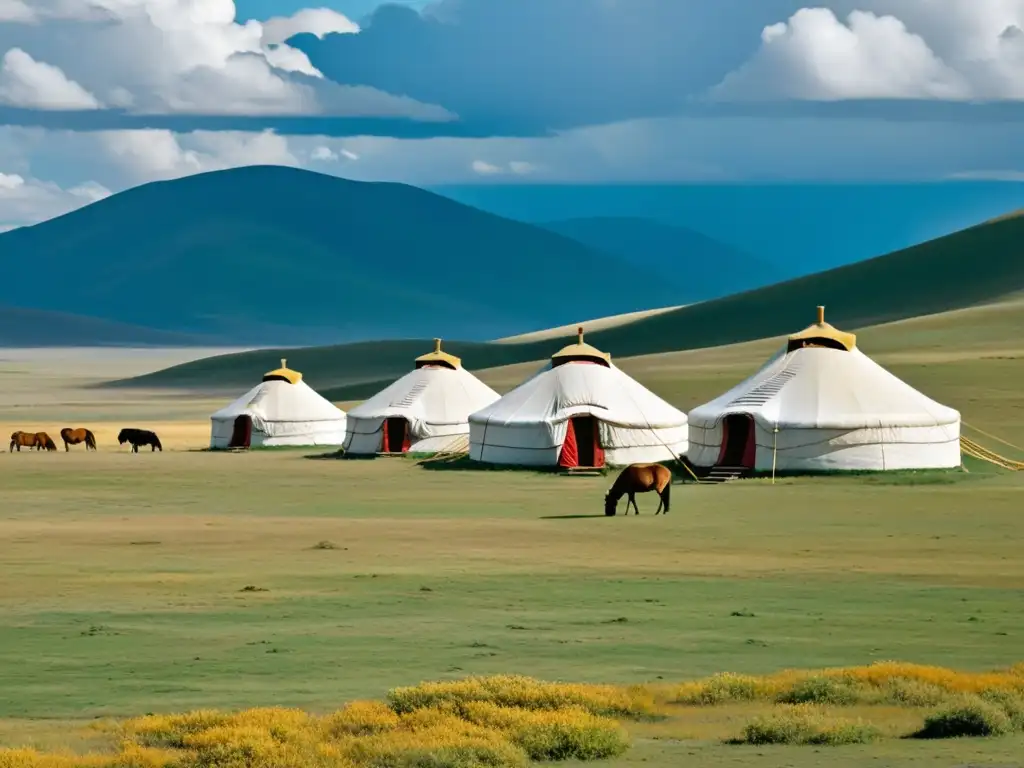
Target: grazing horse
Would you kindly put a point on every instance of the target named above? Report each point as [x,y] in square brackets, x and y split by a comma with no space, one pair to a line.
[37,440]
[639,478]
[75,436]
[139,437]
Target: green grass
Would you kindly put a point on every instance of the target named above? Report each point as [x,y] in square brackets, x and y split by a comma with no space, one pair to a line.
[967,268]
[168,582]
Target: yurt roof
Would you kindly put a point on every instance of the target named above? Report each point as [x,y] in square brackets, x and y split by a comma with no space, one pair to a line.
[822,334]
[284,373]
[580,351]
[438,357]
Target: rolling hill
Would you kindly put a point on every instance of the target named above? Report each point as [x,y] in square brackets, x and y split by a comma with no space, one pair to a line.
[708,267]
[971,267]
[268,254]
[21,327]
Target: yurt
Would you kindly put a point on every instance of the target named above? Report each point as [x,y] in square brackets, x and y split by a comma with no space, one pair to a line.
[425,411]
[579,410]
[820,404]
[281,410]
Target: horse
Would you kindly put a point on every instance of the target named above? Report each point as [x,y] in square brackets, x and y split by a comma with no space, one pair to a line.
[639,478]
[20,438]
[139,437]
[38,440]
[75,436]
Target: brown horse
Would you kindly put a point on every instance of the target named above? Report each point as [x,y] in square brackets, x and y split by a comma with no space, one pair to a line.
[37,440]
[639,478]
[75,436]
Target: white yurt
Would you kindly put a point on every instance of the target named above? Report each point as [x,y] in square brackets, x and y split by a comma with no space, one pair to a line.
[579,410]
[281,410]
[821,404]
[425,411]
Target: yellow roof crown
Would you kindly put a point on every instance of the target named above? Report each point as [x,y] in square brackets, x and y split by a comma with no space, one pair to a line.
[437,357]
[284,373]
[822,334]
[580,351]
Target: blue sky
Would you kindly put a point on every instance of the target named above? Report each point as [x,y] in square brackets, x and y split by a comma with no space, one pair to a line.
[98,95]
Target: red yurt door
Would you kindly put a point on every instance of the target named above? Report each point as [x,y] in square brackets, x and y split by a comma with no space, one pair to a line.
[241,435]
[739,444]
[396,436]
[582,445]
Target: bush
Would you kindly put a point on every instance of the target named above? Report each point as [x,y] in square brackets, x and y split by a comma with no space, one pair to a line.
[571,733]
[436,747]
[801,724]
[361,718]
[1011,703]
[132,756]
[967,717]
[526,693]
[833,691]
[722,689]
[913,693]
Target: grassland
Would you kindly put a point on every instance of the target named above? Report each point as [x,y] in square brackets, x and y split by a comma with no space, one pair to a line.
[169,582]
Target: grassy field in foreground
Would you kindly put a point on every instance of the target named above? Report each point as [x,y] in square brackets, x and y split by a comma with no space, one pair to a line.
[156,583]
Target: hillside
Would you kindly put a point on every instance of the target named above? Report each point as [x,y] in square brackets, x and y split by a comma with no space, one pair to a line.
[708,267]
[40,328]
[268,254]
[970,267]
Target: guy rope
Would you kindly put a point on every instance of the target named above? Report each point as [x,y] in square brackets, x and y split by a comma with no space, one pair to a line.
[977,451]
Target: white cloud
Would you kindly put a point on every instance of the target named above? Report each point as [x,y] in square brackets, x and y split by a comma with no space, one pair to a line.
[324,155]
[484,168]
[192,56]
[15,10]
[911,49]
[25,82]
[158,154]
[317,21]
[516,167]
[29,201]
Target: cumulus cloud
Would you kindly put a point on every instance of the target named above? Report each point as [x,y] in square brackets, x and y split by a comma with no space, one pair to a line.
[161,57]
[28,201]
[25,82]
[893,49]
[15,10]
[533,66]
[149,155]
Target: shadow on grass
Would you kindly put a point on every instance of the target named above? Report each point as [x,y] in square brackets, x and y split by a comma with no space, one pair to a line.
[571,517]
[466,464]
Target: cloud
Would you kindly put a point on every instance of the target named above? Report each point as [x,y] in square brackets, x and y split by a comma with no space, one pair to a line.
[29,201]
[957,50]
[25,82]
[156,154]
[484,169]
[15,10]
[533,66]
[179,57]
[516,167]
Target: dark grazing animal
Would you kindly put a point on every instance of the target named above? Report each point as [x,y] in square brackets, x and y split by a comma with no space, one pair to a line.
[37,440]
[139,437]
[639,478]
[75,436]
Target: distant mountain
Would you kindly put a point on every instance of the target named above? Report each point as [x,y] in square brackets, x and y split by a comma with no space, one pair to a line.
[41,328]
[974,266]
[708,268]
[268,254]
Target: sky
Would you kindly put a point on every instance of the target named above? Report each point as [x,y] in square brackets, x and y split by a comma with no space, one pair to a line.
[100,95]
